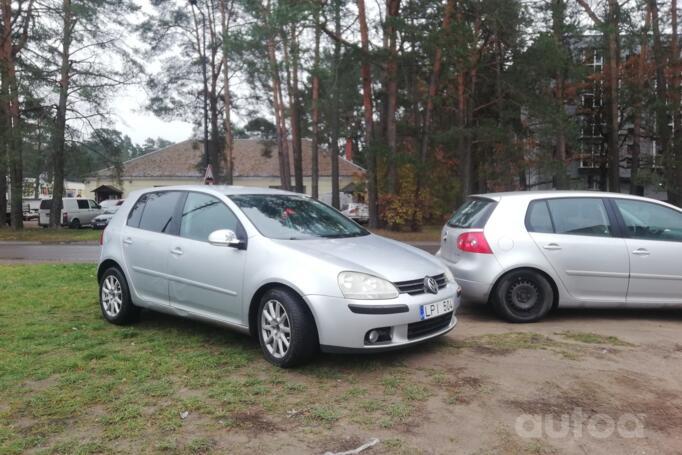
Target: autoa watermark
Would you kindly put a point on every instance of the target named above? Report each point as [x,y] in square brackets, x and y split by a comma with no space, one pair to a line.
[578,424]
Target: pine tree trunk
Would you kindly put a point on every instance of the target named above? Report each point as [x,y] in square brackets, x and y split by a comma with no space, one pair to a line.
[675,106]
[314,159]
[4,145]
[13,140]
[663,132]
[640,90]
[393,12]
[278,104]
[60,122]
[335,124]
[433,85]
[227,101]
[369,122]
[558,21]
[291,57]
[612,84]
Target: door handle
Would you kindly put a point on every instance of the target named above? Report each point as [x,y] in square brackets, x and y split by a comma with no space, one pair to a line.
[128,241]
[177,251]
[552,246]
[641,252]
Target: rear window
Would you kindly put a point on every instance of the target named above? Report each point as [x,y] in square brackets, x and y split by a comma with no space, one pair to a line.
[474,213]
[46,204]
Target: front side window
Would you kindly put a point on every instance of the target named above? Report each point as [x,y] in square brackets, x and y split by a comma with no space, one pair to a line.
[580,216]
[93,205]
[474,213]
[295,217]
[649,221]
[203,214]
[159,210]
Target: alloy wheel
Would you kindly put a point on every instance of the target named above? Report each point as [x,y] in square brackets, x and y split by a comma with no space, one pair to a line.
[112,296]
[276,328]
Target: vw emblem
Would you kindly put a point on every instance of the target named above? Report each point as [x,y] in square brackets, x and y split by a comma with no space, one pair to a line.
[430,285]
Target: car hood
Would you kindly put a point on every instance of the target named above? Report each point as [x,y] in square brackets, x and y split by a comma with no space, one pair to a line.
[103,217]
[372,254]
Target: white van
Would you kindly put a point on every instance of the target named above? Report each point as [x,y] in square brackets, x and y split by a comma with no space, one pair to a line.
[76,212]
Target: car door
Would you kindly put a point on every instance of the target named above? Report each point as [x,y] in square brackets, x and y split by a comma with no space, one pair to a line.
[206,279]
[579,240]
[146,242]
[654,242]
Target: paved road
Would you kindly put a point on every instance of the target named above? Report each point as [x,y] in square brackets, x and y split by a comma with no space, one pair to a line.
[27,252]
[16,252]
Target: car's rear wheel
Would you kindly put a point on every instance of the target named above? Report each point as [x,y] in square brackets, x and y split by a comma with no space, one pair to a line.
[286,329]
[75,224]
[523,296]
[114,298]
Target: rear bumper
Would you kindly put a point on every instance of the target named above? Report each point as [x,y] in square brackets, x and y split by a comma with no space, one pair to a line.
[475,277]
[342,326]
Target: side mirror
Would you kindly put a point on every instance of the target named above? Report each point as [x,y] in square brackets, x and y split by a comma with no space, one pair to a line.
[225,237]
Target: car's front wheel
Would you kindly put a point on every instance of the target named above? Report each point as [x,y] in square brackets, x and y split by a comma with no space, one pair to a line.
[114,298]
[523,296]
[286,329]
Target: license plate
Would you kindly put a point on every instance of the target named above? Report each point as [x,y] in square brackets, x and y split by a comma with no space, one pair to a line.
[431,310]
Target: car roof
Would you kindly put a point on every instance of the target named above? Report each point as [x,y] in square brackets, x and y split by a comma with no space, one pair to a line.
[530,195]
[227,190]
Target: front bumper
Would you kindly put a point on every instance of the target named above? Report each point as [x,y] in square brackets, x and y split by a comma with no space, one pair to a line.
[342,324]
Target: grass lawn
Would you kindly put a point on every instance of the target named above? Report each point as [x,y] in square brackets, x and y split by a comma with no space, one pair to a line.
[72,383]
[50,235]
[427,234]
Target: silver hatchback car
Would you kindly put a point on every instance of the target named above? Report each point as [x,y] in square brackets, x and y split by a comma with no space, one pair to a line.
[281,266]
[528,252]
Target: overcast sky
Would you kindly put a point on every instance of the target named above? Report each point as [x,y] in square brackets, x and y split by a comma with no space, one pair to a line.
[132,119]
[130,116]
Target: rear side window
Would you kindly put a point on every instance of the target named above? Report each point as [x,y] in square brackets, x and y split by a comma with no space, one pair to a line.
[135,214]
[83,204]
[538,218]
[158,212]
[46,204]
[580,216]
[474,213]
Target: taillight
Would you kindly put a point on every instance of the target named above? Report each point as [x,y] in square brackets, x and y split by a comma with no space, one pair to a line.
[473,242]
[101,238]
[65,218]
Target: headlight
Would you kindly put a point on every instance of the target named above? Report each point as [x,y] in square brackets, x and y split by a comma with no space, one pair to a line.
[356,285]
[449,276]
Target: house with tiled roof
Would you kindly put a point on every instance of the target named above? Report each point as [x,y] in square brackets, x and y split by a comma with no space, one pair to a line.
[255,164]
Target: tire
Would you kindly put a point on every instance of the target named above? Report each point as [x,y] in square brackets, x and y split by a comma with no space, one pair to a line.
[114,298]
[295,317]
[75,224]
[523,296]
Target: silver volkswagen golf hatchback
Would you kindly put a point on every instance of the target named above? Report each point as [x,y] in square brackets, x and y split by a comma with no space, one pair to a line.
[528,252]
[281,266]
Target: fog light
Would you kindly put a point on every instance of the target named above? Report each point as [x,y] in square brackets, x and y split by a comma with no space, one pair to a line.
[373,336]
[378,335]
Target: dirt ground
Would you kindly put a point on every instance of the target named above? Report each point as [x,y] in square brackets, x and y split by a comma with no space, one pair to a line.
[614,376]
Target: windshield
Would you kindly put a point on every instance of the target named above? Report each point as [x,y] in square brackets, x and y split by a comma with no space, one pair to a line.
[291,217]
